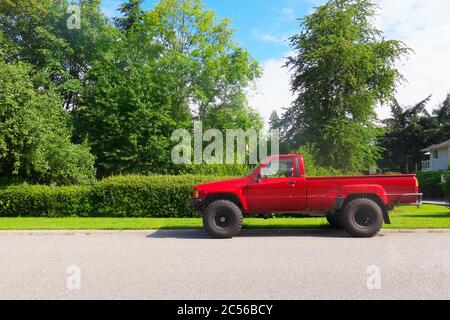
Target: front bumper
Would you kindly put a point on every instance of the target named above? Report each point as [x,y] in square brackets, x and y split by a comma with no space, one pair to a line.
[198,204]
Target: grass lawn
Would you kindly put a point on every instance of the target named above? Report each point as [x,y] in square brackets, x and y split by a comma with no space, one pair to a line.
[427,217]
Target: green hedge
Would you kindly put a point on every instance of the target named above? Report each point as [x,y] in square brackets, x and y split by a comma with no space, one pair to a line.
[431,184]
[446,186]
[45,201]
[121,196]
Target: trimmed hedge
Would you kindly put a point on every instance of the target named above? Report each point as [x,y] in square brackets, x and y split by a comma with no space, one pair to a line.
[121,196]
[431,184]
[45,201]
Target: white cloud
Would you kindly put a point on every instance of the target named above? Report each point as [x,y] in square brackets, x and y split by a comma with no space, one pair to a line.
[270,38]
[423,26]
[272,90]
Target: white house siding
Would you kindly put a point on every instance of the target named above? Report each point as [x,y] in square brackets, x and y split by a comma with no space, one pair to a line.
[442,162]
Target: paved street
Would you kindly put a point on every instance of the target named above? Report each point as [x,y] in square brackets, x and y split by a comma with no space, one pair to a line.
[188,265]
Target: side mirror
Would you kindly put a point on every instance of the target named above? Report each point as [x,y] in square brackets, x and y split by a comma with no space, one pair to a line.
[258,177]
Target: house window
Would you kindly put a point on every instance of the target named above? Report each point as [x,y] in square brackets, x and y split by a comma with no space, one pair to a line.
[436,154]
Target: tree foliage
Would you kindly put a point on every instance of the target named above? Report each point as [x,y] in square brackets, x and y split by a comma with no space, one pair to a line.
[127,83]
[37,33]
[35,132]
[129,112]
[209,70]
[132,15]
[409,131]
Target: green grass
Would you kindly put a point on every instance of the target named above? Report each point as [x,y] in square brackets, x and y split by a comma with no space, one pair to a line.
[427,217]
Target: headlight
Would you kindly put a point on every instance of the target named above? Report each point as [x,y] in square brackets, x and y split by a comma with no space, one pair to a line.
[196,194]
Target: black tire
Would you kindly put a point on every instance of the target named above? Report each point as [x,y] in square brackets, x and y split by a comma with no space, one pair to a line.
[362,218]
[223,219]
[334,221]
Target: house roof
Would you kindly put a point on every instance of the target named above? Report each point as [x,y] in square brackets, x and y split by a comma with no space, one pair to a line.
[437,146]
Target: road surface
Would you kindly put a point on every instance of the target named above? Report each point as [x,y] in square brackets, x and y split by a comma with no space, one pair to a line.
[189,265]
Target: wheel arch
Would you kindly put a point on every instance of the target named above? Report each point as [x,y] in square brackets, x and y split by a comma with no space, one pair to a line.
[224,196]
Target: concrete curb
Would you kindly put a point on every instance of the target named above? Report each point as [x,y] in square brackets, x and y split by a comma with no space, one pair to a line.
[262,232]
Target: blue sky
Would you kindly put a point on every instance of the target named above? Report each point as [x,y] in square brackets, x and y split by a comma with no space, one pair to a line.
[262,27]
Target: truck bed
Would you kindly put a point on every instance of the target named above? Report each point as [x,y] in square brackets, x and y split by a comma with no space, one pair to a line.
[323,191]
[361,177]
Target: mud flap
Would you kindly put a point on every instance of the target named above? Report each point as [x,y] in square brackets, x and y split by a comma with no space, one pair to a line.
[386,217]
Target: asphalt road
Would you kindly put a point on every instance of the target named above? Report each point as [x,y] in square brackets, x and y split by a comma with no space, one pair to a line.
[188,265]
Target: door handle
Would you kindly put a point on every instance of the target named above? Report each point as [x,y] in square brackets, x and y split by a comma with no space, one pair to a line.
[292,183]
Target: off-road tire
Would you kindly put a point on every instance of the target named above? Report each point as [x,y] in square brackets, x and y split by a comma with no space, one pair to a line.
[223,219]
[362,218]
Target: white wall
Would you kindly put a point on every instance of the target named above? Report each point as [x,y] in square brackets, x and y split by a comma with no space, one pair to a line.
[442,162]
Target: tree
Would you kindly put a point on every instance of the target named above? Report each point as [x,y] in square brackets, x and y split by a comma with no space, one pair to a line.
[442,114]
[210,72]
[342,67]
[147,84]
[37,33]
[408,132]
[274,121]
[132,14]
[35,132]
[126,86]
[127,113]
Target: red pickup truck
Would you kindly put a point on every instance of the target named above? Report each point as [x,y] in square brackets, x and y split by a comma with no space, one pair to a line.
[358,204]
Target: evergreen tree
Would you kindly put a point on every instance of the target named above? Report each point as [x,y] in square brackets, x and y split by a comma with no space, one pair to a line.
[132,14]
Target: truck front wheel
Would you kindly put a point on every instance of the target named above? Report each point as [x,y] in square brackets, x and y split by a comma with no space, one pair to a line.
[223,219]
[362,218]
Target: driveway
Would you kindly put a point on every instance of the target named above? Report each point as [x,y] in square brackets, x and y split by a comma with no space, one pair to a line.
[257,265]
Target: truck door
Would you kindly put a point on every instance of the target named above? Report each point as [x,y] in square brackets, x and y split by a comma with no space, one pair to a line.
[279,189]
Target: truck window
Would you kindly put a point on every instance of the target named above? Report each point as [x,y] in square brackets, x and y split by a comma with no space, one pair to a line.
[297,167]
[278,168]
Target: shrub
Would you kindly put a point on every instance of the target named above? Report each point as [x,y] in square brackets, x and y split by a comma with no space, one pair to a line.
[45,201]
[431,183]
[147,196]
[220,170]
[120,196]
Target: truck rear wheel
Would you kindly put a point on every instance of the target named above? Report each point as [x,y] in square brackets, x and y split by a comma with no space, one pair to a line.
[362,218]
[334,221]
[223,219]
